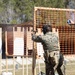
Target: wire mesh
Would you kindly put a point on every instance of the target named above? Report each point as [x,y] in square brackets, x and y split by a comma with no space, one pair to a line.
[59,18]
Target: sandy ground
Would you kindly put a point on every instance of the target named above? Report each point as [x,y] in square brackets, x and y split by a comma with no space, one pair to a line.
[68,60]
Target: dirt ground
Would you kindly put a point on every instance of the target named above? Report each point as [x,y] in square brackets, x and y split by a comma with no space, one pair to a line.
[70,68]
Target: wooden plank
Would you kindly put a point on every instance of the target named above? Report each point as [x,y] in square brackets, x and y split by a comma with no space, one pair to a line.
[6,43]
[34,47]
[0,50]
[59,9]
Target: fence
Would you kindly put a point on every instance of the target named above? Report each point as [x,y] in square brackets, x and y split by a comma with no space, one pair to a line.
[64,20]
[21,64]
[28,43]
[17,67]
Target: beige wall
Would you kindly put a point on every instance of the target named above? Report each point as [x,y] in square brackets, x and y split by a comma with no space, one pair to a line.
[29,39]
[18,37]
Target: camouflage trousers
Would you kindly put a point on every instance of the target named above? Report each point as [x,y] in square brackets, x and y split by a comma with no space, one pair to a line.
[52,62]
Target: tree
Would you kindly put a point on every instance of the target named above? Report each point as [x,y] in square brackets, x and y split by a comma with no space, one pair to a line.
[18,11]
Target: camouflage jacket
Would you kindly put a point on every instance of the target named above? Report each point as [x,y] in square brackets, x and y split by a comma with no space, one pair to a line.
[49,41]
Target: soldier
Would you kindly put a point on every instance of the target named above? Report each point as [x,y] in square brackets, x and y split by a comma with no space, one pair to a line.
[51,49]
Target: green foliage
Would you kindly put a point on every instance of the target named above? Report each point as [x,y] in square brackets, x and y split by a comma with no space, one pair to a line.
[23,9]
[13,22]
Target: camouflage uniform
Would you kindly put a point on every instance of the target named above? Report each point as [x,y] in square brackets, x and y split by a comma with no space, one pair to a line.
[49,41]
[51,50]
